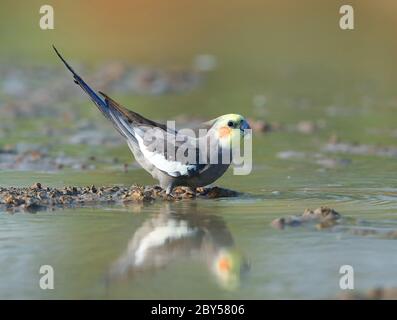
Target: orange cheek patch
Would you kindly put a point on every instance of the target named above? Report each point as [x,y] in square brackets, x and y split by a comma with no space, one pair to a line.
[224,132]
[224,264]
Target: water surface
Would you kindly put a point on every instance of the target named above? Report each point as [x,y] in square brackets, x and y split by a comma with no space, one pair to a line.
[283,63]
[88,247]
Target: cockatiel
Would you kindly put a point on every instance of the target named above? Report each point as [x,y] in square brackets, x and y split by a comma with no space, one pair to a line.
[174,158]
[178,234]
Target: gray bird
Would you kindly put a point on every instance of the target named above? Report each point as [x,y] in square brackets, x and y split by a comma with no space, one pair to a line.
[174,158]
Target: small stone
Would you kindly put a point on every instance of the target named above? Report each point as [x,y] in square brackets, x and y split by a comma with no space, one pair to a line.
[217,192]
[324,217]
[37,185]
[372,294]
[260,125]
[278,223]
[9,199]
[306,127]
[200,190]
[326,213]
[333,139]
[37,198]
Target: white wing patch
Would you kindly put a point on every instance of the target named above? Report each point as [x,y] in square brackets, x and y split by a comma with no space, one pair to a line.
[172,230]
[173,168]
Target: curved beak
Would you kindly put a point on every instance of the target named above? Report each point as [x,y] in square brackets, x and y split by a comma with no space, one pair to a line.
[244,128]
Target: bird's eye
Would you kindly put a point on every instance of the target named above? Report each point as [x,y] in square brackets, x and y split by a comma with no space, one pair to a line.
[230,124]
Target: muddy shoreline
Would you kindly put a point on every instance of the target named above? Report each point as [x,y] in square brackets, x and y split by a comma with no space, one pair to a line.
[38,197]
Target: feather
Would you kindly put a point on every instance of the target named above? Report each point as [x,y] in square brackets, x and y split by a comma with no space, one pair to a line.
[100,103]
[133,127]
[132,117]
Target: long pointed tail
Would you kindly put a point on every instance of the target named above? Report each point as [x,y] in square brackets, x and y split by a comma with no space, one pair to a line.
[99,102]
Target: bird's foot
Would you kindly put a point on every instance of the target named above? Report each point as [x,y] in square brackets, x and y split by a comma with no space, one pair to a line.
[168,190]
[170,197]
[168,193]
[180,193]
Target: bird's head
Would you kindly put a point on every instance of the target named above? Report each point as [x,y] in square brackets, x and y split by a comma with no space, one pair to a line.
[229,127]
[229,265]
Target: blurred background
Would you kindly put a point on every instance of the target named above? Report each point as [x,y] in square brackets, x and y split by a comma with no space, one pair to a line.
[281,63]
[322,102]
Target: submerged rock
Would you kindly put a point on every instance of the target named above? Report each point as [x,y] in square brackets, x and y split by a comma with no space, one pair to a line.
[37,197]
[379,233]
[306,127]
[372,294]
[328,218]
[324,217]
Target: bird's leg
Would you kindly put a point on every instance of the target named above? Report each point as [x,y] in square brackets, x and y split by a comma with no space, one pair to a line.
[168,190]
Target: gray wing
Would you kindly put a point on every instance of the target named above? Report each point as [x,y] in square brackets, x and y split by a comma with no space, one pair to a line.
[139,131]
[167,150]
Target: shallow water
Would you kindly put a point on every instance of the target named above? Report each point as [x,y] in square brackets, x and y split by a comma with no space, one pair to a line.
[281,63]
[222,248]
[87,247]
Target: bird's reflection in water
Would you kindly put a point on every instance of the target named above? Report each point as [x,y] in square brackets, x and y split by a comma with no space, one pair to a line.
[179,232]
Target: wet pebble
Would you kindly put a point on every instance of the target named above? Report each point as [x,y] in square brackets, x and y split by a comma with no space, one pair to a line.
[372,294]
[306,127]
[324,217]
[37,197]
[328,218]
